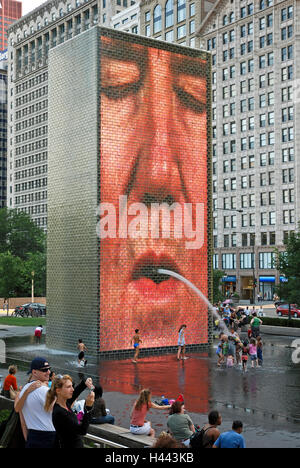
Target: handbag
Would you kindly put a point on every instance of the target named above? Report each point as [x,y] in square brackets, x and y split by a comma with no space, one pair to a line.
[12,393]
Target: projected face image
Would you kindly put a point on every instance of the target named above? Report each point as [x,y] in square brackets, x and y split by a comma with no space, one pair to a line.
[153,187]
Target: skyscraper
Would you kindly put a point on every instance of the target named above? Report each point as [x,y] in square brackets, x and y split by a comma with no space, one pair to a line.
[10,11]
[30,40]
[255,89]
[3,128]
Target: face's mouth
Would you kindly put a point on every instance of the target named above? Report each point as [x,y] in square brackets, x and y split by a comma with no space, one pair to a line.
[148,265]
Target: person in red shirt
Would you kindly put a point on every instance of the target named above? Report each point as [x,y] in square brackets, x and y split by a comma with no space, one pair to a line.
[138,423]
[10,381]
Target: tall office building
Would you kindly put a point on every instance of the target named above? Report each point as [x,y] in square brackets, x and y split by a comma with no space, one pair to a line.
[256,189]
[10,11]
[30,40]
[3,128]
[174,20]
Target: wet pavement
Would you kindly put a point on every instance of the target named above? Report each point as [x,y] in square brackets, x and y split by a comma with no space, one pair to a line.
[266,399]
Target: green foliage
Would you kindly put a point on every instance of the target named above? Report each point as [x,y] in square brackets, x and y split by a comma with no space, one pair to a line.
[281,322]
[22,251]
[288,264]
[217,282]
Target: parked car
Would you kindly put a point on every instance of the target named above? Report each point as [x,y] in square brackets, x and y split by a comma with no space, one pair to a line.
[279,303]
[283,310]
[32,309]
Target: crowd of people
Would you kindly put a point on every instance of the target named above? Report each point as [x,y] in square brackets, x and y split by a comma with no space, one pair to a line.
[232,348]
[181,431]
[50,413]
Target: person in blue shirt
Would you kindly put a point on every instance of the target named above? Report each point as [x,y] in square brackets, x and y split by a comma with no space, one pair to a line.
[232,439]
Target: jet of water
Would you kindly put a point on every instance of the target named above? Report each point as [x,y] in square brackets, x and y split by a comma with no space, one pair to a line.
[197,291]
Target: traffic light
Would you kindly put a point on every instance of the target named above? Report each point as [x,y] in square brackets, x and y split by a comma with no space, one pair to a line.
[254,282]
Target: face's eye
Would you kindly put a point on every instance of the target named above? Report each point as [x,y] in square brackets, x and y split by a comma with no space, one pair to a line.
[119,79]
[191,91]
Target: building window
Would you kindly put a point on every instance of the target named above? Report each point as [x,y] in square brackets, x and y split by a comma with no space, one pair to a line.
[228,261]
[169,12]
[266,260]
[247,261]
[157,19]
[181,11]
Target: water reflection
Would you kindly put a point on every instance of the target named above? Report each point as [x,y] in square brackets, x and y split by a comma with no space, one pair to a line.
[163,375]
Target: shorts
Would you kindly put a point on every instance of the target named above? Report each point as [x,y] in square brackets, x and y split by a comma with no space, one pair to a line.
[245,358]
[136,345]
[81,355]
[253,357]
[141,430]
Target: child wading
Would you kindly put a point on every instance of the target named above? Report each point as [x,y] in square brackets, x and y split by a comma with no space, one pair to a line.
[245,352]
[136,341]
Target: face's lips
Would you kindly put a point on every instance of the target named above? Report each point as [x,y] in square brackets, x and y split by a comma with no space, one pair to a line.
[149,264]
[149,283]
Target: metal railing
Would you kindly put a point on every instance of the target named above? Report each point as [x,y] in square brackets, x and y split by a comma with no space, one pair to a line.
[99,442]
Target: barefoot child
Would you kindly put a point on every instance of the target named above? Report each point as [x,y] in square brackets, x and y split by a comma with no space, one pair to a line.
[245,352]
[82,348]
[260,351]
[253,352]
[219,352]
[136,341]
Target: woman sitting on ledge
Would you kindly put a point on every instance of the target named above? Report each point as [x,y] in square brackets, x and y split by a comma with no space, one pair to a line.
[99,413]
[138,423]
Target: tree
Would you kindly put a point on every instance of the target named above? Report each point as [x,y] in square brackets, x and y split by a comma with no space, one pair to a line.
[22,250]
[19,234]
[10,267]
[288,264]
[217,277]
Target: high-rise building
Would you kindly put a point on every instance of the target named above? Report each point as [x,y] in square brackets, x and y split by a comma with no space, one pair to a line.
[127,20]
[30,39]
[10,11]
[174,20]
[256,190]
[3,128]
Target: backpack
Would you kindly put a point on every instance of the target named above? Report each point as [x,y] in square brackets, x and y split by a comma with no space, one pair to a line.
[196,440]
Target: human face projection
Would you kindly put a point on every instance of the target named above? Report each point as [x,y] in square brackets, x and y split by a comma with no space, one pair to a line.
[153,186]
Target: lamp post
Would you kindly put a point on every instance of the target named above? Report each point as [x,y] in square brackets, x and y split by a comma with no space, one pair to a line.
[32,286]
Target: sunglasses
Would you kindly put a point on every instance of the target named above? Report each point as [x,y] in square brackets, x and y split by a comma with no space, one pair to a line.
[45,370]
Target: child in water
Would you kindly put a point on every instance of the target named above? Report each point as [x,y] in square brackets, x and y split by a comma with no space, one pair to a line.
[245,352]
[230,361]
[260,351]
[136,341]
[253,352]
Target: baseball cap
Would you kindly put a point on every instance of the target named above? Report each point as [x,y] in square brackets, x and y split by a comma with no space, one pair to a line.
[39,363]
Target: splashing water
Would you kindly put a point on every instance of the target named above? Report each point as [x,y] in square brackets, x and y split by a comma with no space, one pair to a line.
[200,294]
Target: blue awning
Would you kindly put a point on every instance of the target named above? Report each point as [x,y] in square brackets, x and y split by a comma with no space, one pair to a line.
[229,279]
[283,279]
[267,279]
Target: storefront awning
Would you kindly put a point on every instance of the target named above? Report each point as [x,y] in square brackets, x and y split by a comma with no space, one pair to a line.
[229,279]
[267,279]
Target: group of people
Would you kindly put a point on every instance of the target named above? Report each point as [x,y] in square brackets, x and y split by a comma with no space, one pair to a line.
[232,350]
[47,408]
[181,431]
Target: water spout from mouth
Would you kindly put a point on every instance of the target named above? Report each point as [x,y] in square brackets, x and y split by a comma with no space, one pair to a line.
[222,325]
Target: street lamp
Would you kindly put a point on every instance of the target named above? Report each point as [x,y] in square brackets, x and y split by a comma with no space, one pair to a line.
[32,286]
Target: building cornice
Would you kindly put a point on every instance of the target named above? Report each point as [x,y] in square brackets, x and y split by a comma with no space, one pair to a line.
[38,12]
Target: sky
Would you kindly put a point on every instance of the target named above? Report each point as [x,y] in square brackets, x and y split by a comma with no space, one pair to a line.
[29,5]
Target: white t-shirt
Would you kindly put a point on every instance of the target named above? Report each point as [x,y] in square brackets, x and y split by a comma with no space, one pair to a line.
[35,416]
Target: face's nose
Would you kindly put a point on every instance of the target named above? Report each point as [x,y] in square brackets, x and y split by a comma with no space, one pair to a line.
[158,174]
